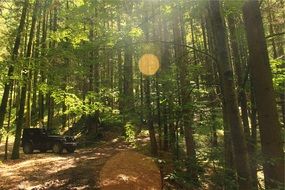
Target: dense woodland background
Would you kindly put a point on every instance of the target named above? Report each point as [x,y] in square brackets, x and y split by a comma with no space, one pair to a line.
[216,106]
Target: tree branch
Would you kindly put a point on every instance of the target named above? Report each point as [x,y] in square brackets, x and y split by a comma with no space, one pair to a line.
[273,35]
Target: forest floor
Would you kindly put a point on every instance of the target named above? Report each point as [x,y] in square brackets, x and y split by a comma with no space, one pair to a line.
[82,169]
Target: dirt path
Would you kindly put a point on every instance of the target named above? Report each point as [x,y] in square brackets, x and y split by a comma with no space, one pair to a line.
[129,170]
[67,171]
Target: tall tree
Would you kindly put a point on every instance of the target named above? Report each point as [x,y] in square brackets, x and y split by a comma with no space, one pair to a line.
[240,73]
[43,43]
[20,114]
[15,53]
[270,130]
[242,98]
[185,91]
[230,97]
[147,91]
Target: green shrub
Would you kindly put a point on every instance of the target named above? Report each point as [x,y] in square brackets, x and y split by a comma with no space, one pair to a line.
[130,132]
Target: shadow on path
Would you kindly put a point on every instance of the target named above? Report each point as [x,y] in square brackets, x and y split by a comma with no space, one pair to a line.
[80,170]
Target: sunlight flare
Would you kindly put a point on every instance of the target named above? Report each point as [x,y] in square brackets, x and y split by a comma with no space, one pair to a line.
[149,64]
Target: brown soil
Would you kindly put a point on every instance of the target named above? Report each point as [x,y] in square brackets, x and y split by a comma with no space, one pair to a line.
[130,170]
[81,170]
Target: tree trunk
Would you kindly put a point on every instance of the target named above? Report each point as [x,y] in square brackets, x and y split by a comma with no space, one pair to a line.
[158,107]
[239,71]
[93,120]
[128,96]
[253,137]
[8,126]
[165,65]
[42,66]
[20,114]
[34,113]
[150,117]
[147,90]
[15,53]
[29,55]
[230,97]
[50,100]
[278,51]
[50,107]
[270,130]
[186,99]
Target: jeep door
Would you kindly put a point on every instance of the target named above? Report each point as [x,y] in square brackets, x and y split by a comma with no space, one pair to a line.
[39,139]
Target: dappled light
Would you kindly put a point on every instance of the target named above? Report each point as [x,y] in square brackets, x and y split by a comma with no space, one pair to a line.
[130,170]
[49,171]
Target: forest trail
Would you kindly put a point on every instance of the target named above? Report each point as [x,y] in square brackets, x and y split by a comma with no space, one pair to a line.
[80,170]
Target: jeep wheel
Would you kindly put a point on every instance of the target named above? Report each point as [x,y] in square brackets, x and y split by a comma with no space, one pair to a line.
[57,148]
[43,150]
[70,149]
[28,148]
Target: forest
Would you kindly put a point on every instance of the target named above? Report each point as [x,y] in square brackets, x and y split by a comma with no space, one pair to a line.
[159,94]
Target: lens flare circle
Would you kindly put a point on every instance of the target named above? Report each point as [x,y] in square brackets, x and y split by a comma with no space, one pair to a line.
[148,64]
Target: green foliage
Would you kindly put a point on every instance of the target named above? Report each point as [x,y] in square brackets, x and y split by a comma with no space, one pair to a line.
[111,119]
[233,7]
[278,71]
[4,132]
[77,106]
[136,32]
[152,48]
[166,9]
[183,177]
[130,132]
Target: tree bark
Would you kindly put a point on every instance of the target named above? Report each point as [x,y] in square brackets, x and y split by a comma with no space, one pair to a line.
[165,67]
[34,113]
[148,101]
[270,130]
[239,71]
[128,96]
[253,137]
[15,53]
[185,92]
[20,114]
[230,97]
[41,100]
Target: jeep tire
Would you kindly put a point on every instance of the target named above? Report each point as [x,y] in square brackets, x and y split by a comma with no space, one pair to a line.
[43,150]
[28,148]
[70,149]
[57,148]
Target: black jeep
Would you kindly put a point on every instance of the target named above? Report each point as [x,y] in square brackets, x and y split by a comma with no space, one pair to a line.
[38,139]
